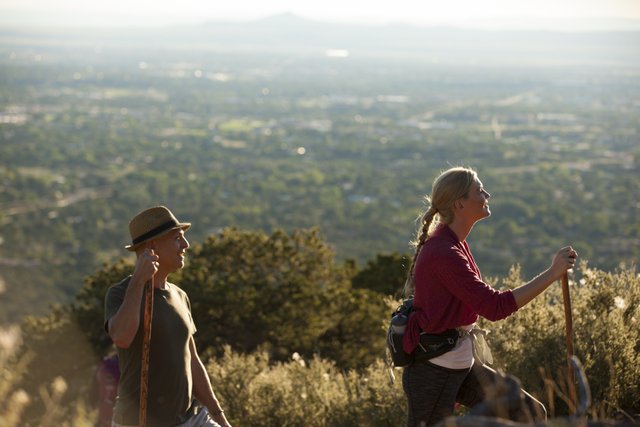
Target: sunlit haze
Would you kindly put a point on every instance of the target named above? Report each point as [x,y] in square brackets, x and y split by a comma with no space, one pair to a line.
[491,14]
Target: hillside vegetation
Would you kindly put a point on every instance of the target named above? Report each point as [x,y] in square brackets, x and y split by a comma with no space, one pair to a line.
[288,336]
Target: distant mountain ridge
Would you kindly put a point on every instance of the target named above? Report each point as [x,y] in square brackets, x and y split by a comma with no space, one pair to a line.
[495,24]
[24,17]
[290,33]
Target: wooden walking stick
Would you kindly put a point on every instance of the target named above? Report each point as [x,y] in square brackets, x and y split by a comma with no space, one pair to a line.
[566,297]
[146,349]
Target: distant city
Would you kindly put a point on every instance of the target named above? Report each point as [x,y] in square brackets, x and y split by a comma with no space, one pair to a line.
[282,124]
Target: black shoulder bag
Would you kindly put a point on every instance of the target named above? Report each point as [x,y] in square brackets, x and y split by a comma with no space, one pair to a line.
[430,346]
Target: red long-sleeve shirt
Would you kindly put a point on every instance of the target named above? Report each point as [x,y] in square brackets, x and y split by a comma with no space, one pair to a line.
[449,291]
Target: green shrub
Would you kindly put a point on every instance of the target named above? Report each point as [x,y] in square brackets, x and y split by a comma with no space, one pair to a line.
[283,293]
[257,392]
[606,327]
[47,404]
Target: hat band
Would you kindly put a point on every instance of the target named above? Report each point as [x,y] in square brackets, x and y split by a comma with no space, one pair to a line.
[159,229]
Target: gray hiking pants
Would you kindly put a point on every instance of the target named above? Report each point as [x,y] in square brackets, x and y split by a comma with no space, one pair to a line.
[432,392]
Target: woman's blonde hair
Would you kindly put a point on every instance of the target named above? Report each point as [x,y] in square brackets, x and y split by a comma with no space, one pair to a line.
[448,187]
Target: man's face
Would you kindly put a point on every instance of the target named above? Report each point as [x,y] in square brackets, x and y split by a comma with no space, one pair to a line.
[170,249]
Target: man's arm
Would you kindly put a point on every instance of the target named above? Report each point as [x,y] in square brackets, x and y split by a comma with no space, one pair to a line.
[123,325]
[202,387]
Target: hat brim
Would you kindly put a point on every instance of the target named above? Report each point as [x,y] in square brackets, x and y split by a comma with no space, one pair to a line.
[182,226]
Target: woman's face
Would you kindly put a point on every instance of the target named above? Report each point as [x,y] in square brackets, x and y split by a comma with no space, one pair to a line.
[476,204]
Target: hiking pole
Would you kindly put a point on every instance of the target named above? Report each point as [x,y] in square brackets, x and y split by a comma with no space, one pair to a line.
[566,298]
[146,349]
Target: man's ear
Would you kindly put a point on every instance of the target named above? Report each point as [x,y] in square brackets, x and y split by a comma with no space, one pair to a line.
[151,245]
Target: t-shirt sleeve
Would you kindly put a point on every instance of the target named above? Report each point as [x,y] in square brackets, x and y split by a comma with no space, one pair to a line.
[112,302]
[467,286]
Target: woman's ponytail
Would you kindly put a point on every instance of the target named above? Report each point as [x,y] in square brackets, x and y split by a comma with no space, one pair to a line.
[421,237]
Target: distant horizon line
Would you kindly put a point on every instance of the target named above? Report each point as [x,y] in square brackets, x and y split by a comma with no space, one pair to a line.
[15,19]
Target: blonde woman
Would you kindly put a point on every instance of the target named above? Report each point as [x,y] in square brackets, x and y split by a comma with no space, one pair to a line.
[449,294]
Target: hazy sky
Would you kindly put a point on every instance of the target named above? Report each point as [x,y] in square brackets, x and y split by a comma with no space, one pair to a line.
[484,13]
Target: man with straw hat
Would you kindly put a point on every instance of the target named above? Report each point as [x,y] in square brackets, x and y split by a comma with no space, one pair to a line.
[176,374]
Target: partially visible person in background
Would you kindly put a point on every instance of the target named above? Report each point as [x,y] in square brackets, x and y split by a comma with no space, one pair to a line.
[106,388]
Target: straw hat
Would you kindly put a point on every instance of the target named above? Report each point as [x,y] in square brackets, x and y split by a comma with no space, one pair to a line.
[152,223]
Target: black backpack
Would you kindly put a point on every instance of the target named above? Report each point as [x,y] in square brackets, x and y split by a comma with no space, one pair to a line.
[430,346]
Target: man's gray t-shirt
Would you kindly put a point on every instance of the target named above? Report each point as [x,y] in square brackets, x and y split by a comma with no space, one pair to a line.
[170,382]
